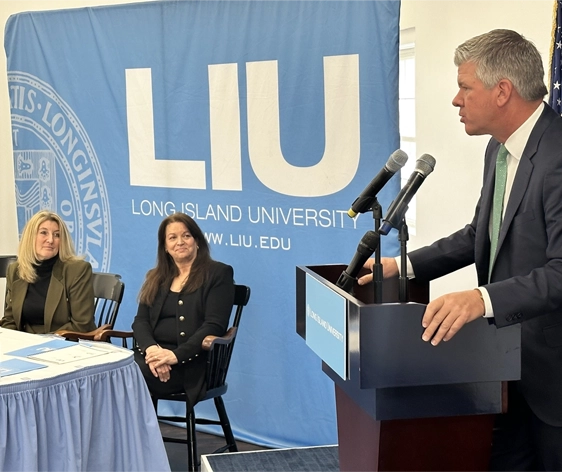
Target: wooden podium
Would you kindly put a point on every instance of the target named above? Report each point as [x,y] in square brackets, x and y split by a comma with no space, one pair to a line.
[403,404]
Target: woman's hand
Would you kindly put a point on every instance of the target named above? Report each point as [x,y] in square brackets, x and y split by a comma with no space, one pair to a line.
[159,361]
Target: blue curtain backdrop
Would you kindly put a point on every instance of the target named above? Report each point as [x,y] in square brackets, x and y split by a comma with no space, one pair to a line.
[262,120]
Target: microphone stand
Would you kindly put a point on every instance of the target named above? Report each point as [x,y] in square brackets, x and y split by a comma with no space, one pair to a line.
[377,266]
[403,278]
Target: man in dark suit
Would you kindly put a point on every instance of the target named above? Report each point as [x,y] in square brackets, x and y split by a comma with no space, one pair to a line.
[501,91]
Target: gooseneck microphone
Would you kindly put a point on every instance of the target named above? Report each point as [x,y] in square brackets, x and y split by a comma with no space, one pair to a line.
[397,209]
[369,243]
[365,200]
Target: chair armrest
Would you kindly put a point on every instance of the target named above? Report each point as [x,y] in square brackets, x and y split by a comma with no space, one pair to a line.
[107,334]
[76,335]
[209,341]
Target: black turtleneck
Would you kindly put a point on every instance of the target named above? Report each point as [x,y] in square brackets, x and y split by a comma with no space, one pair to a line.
[33,310]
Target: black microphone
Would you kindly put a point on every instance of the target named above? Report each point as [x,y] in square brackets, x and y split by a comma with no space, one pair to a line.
[398,208]
[365,201]
[368,244]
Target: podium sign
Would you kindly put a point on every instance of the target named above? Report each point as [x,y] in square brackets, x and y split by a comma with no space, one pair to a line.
[326,325]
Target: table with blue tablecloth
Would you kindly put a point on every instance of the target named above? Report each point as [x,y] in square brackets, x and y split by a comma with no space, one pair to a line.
[93,413]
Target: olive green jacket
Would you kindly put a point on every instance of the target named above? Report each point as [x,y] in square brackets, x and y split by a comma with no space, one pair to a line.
[69,303]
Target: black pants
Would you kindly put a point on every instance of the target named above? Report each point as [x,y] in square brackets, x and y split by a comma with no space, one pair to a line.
[521,441]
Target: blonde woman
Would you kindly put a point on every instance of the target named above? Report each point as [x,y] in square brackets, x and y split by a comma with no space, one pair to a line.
[49,288]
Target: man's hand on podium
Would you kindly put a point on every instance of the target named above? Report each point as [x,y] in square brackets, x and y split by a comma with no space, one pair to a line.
[389,269]
[446,315]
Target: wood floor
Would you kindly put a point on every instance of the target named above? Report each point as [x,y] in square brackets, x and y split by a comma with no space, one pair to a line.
[206,444]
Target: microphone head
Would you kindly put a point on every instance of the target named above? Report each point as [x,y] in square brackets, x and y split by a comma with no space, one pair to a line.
[370,241]
[425,165]
[396,161]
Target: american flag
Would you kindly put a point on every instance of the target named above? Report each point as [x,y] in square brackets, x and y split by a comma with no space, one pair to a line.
[555,75]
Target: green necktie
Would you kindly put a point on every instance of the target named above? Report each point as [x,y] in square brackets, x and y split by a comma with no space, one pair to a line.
[497,206]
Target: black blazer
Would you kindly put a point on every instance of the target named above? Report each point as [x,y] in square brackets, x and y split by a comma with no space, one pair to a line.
[526,282]
[201,313]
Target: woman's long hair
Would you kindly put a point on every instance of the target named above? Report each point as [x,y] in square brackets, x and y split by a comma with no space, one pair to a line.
[166,269]
[27,255]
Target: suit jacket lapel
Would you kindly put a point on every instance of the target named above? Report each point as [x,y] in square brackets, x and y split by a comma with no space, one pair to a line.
[19,291]
[524,171]
[482,246]
[520,184]
[487,197]
[157,305]
[55,295]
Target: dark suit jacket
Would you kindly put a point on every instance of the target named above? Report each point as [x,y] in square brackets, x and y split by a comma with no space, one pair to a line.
[526,282]
[201,313]
[69,303]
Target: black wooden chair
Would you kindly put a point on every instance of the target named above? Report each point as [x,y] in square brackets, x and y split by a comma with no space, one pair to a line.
[108,294]
[5,261]
[218,361]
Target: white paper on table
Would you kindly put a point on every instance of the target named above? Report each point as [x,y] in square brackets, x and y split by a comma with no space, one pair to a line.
[68,354]
[103,346]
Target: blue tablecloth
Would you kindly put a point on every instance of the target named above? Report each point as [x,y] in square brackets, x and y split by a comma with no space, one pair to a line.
[92,418]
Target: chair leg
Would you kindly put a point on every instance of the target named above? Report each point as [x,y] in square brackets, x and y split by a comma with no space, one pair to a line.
[225,423]
[192,456]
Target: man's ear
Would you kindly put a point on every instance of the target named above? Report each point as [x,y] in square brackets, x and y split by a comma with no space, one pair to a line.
[505,89]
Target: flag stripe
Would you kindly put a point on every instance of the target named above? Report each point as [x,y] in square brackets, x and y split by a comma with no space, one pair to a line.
[554,97]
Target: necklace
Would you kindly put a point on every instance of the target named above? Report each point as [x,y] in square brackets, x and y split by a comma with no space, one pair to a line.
[185,280]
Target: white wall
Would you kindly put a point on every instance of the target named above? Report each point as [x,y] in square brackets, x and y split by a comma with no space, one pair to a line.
[447,199]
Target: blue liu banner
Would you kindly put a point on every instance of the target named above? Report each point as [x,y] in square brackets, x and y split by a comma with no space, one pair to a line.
[263,120]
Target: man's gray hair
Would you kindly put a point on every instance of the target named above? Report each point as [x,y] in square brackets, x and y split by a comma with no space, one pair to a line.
[505,54]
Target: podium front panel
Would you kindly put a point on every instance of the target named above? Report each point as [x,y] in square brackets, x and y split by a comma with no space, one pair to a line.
[393,374]
[392,353]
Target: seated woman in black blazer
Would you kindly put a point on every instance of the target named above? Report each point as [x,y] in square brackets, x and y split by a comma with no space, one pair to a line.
[49,288]
[185,298]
